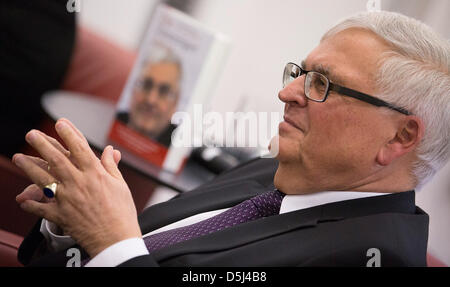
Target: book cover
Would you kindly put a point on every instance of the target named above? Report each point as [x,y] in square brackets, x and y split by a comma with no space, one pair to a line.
[177,66]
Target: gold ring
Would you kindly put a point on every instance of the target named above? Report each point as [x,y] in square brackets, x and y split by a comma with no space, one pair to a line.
[50,190]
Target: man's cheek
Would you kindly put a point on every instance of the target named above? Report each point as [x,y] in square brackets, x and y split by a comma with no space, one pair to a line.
[289,149]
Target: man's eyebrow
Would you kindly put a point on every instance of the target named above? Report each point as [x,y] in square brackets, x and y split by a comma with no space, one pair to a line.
[302,64]
[324,70]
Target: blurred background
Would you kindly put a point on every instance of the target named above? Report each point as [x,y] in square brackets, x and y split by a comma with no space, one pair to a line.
[265,35]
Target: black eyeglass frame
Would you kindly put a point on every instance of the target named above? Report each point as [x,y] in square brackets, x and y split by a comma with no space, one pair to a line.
[164,90]
[348,92]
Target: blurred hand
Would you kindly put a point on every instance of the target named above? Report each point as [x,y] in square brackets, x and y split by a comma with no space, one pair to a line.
[93,203]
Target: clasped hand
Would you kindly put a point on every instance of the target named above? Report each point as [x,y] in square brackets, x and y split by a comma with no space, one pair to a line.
[93,203]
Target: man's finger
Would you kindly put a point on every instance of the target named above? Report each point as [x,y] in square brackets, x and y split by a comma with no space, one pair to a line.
[37,174]
[56,144]
[45,210]
[109,163]
[61,166]
[117,156]
[77,131]
[32,192]
[37,160]
[79,148]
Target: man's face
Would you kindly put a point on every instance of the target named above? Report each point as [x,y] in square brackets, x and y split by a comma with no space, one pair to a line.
[155,98]
[333,145]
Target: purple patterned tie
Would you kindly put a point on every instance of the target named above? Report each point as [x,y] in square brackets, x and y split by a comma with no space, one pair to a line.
[263,205]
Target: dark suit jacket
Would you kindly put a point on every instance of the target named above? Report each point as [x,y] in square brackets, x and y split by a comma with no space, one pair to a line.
[334,234]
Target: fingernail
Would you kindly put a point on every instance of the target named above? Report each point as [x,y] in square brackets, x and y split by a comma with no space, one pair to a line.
[24,205]
[17,158]
[61,126]
[31,136]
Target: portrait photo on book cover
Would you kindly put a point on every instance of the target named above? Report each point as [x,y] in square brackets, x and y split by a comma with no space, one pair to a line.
[155,95]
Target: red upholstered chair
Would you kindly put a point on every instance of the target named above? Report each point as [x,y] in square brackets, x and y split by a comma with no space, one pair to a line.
[14,223]
[9,244]
[13,181]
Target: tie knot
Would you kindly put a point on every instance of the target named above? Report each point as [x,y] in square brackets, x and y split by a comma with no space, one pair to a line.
[268,203]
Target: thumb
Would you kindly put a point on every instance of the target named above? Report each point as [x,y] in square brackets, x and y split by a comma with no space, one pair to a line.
[108,160]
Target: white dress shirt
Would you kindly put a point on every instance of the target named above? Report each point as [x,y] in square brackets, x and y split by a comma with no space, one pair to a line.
[127,249]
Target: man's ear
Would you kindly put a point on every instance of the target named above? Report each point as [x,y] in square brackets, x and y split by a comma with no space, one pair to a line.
[408,136]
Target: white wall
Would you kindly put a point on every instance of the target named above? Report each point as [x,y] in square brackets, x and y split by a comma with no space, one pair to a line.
[121,21]
[433,12]
[266,34]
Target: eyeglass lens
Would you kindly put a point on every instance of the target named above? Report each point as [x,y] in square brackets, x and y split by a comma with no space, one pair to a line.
[291,72]
[316,84]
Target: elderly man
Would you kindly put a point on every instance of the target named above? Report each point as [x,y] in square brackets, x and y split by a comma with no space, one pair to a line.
[366,122]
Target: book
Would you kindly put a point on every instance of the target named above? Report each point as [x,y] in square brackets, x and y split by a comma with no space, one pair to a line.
[177,67]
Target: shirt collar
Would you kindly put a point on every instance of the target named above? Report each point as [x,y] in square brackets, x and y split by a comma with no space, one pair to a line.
[303,201]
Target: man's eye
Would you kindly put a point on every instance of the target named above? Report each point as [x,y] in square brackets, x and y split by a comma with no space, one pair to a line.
[319,82]
[164,90]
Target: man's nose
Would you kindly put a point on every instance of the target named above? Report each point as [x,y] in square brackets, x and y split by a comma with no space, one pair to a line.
[152,96]
[294,92]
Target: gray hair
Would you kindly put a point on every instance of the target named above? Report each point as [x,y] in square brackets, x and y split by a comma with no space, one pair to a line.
[414,75]
[161,53]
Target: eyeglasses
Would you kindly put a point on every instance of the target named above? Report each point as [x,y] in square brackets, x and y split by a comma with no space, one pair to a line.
[146,85]
[317,87]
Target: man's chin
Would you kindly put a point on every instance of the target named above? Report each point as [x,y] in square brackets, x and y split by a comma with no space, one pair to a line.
[289,180]
[282,179]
